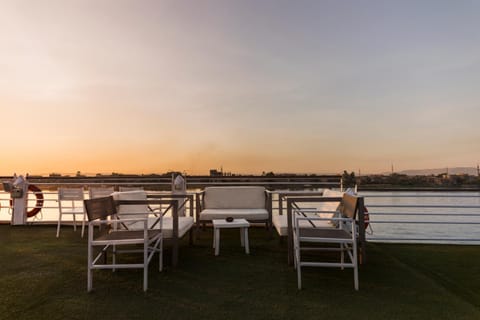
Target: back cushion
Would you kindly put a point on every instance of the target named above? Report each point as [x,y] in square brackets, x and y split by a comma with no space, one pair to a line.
[131,195]
[330,206]
[349,205]
[234,197]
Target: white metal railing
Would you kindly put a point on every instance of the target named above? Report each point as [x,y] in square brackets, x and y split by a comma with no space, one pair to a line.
[49,210]
[428,218]
[452,217]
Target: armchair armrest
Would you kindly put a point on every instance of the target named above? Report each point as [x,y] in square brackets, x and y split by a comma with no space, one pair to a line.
[100,222]
[337,222]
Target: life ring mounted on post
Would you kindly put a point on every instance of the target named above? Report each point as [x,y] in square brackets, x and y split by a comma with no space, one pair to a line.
[38,203]
[366,220]
[366,217]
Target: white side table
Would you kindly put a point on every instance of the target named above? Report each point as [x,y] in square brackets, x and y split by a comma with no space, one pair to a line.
[237,223]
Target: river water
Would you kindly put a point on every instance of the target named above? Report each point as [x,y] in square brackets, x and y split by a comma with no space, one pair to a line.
[463,207]
[444,216]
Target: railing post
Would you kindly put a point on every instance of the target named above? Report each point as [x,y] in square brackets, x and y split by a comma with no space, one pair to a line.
[174,233]
[361,230]
[289,231]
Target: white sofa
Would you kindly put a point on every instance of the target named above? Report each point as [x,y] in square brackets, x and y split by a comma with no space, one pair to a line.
[248,202]
[328,209]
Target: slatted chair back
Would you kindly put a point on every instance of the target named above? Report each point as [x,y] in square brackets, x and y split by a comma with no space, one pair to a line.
[100,208]
[349,206]
[100,192]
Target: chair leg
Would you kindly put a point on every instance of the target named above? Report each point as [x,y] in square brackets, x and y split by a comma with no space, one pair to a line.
[83,223]
[145,267]
[297,263]
[74,222]
[296,250]
[217,241]
[355,266]
[245,241]
[299,275]
[89,279]
[342,255]
[197,228]
[160,256]
[59,222]
[355,277]
[214,237]
[114,256]
[89,261]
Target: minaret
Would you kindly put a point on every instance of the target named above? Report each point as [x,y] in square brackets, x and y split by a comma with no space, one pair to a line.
[478,170]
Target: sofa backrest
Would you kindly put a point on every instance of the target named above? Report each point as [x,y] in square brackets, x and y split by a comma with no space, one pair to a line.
[250,197]
[330,206]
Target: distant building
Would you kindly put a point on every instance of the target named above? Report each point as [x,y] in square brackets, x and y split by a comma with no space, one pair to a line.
[215,173]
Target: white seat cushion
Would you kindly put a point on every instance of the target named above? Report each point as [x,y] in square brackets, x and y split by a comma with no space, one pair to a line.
[184,225]
[280,224]
[249,214]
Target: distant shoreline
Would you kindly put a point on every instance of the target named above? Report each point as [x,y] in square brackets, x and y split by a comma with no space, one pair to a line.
[386,183]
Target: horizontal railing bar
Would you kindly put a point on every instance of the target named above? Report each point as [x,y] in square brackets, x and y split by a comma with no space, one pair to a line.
[191,183]
[424,214]
[423,222]
[419,239]
[421,196]
[421,206]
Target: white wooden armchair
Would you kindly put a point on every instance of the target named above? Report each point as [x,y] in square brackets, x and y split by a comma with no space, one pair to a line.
[150,241]
[342,232]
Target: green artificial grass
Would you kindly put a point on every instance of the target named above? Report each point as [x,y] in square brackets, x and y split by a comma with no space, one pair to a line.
[43,277]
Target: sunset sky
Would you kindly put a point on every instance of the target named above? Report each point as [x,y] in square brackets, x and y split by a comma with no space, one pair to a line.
[251,85]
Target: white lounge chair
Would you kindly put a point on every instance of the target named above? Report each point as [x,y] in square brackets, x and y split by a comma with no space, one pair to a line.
[70,201]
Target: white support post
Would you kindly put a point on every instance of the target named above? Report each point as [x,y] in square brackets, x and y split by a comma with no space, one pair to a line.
[179,186]
[19,215]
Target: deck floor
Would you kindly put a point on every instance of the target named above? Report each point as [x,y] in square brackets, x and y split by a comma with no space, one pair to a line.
[45,278]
